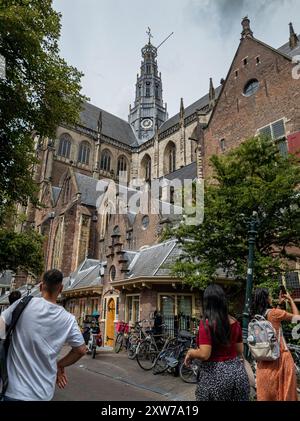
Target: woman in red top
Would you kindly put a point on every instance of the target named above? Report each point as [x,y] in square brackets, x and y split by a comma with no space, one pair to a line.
[222,376]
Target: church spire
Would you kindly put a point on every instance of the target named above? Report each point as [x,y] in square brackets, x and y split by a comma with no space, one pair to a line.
[212,93]
[148,109]
[294,40]
[181,113]
[247,32]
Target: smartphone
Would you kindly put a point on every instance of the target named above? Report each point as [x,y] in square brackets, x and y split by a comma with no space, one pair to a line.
[283,289]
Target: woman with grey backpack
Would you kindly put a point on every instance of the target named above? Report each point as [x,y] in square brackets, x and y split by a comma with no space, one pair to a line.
[275,375]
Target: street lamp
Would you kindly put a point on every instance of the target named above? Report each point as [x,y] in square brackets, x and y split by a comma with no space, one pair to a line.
[29,284]
[249,285]
[29,288]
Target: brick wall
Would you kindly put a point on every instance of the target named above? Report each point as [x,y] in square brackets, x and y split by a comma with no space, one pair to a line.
[237,117]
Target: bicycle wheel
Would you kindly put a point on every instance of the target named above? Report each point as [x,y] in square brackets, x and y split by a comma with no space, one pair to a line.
[298,377]
[146,355]
[161,363]
[118,342]
[132,346]
[188,374]
[94,353]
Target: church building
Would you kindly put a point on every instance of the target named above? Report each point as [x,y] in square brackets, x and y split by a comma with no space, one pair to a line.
[90,175]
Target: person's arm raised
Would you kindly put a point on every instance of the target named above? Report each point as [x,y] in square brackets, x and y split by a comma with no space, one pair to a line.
[294,308]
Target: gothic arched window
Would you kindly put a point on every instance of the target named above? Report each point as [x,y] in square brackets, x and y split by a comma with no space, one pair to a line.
[146,167]
[122,164]
[170,158]
[105,161]
[84,153]
[148,89]
[64,147]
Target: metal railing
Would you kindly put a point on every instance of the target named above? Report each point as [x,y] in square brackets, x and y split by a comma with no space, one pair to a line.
[173,324]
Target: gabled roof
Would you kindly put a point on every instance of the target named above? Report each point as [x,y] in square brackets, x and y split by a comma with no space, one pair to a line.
[148,260]
[284,51]
[86,275]
[189,172]
[287,50]
[87,186]
[200,104]
[112,126]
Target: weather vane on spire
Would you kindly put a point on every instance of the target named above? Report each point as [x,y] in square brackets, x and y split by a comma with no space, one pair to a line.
[149,34]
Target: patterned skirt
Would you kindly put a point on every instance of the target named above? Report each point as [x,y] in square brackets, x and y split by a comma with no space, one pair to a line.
[222,381]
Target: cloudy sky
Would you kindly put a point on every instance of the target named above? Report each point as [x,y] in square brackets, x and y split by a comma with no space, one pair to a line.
[103,39]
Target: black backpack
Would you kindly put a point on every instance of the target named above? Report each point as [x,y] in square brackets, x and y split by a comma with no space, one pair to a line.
[4,344]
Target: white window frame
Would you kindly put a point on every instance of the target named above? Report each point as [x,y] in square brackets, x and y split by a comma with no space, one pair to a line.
[176,294]
[284,119]
[126,315]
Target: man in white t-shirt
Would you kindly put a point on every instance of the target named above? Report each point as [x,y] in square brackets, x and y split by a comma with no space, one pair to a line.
[41,331]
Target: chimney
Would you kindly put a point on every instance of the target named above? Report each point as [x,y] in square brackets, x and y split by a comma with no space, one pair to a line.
[246,28]
[294,40]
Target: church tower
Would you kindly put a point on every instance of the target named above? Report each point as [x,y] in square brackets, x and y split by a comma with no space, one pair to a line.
[148,111]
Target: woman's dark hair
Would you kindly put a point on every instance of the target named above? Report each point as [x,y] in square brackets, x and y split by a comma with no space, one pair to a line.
[215,311]
[260,302]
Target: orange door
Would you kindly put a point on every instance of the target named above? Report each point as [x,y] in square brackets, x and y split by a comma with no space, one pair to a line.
[110,327]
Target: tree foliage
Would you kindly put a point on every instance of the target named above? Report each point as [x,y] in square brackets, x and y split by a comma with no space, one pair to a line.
[252,177]
[40,91]
[21,251]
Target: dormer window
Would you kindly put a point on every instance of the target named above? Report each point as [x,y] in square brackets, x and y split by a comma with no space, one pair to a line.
[245,61]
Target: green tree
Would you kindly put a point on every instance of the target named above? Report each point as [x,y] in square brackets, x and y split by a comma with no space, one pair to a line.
[21,251]
[252,177]
[39,91]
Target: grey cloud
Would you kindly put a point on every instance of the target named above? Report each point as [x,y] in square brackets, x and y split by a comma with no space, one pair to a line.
[224,14]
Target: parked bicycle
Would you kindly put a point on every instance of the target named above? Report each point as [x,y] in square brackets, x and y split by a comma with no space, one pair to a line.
[295,350]
[172,358]
[137,335]
[122,336]
[150,348]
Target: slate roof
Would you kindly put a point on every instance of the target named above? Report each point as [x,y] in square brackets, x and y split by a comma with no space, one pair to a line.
[147,261]
[286,49]
[87,274]
[112,126]
[188,111]
[88,189]
[189,172]
[5,278]
[35,292]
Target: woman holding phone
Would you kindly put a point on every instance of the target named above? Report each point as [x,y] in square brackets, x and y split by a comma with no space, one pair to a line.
[276,380]
[222,375]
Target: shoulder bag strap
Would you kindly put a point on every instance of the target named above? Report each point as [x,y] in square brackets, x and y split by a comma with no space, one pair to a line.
[15,317]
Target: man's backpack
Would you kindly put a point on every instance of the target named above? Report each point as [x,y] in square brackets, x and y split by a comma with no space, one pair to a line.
[262,339]
[4,344]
